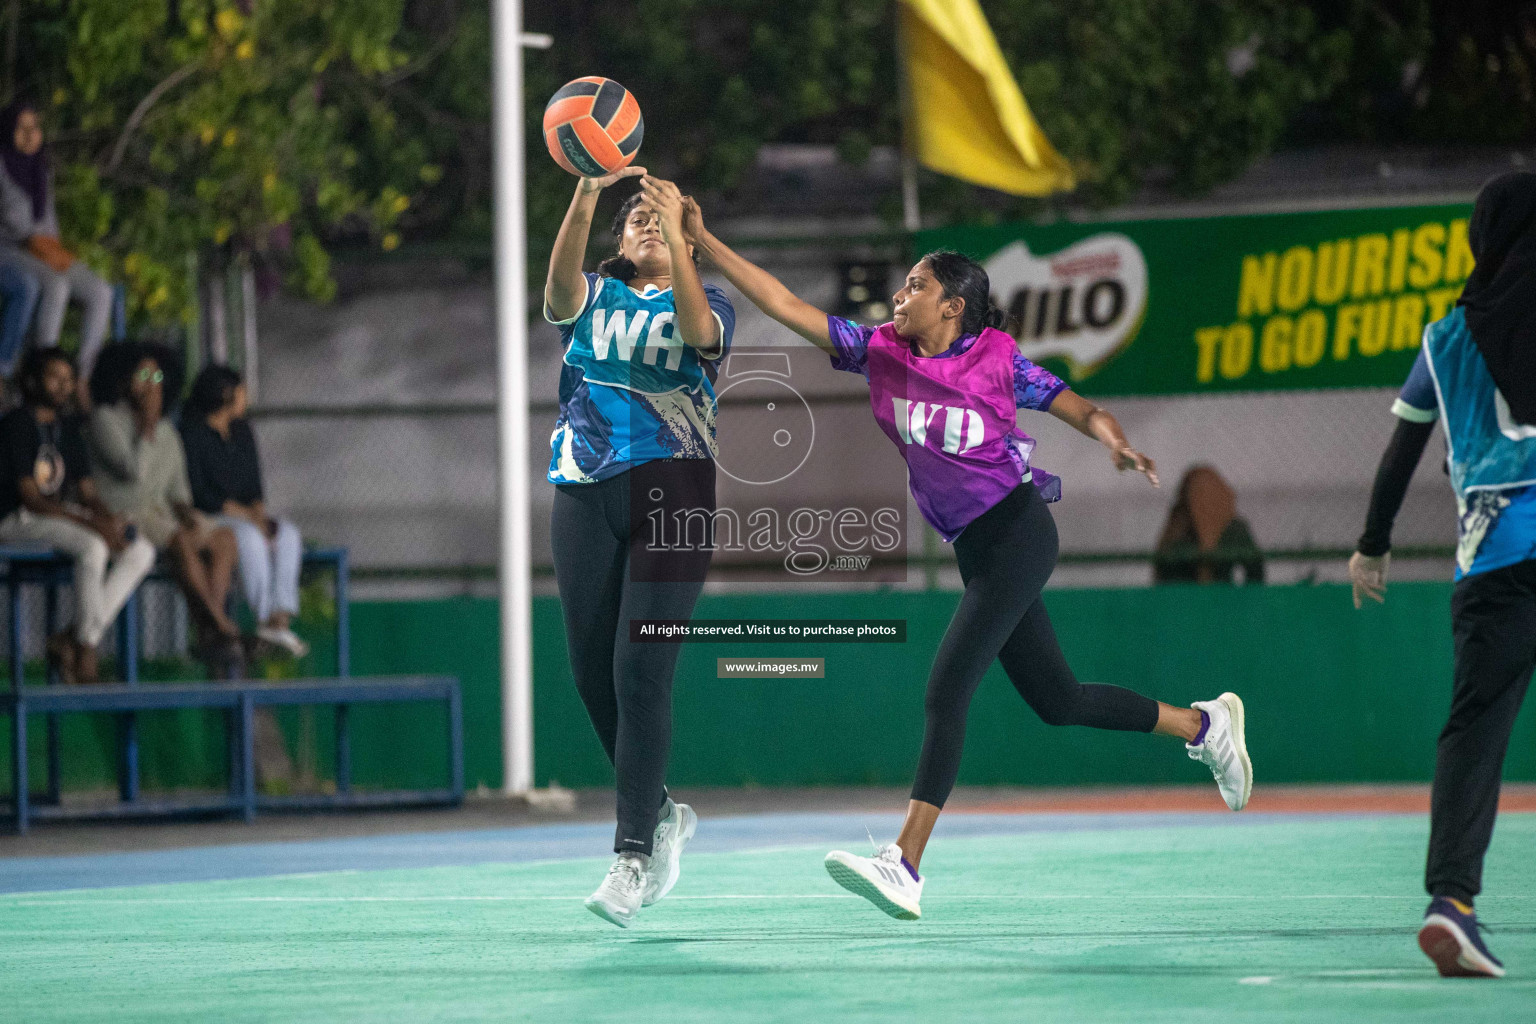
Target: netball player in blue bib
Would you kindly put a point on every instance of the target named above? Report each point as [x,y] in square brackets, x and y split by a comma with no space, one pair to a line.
[1476,374]
[635,436]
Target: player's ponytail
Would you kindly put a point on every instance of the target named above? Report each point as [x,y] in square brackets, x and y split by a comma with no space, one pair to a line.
[959,275]
[618,266]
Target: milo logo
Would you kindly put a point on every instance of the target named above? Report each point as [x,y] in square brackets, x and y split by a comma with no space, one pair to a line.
[1082,304]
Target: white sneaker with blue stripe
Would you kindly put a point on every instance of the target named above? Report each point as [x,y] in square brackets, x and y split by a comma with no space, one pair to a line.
[882,879]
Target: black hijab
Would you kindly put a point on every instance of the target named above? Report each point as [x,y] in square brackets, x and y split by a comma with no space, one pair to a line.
[1500,295]
[30,172]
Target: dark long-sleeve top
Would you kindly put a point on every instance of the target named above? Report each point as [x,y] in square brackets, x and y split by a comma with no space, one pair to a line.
[222,470]
[1393,476]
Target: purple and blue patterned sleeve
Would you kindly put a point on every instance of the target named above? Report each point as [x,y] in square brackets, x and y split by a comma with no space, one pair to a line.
[851,342]
[1034,387]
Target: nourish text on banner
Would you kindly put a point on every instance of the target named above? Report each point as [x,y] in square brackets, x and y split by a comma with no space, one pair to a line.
[1260,302]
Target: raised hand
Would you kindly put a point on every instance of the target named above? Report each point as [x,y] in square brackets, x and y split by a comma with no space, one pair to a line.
[668,202]
[591,186]
[693,220]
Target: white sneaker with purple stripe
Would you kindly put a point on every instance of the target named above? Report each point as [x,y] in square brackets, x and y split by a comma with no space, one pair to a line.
[1224,749]
[883,879]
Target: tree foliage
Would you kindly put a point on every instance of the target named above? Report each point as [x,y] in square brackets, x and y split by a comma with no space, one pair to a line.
[271,128]
[284,127]
[1431,71]
[1189,92]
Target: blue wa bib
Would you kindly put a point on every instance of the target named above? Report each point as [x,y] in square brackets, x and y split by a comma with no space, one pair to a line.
[1487,450]
[627,340]
[630,390]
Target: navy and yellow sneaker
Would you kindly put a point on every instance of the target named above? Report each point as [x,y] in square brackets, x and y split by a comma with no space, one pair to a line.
[1449,937]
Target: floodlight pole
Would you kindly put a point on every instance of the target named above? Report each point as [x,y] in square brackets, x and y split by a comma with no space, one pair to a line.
[515,564]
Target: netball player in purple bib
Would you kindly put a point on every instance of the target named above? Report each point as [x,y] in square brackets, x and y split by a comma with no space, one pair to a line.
[945,386]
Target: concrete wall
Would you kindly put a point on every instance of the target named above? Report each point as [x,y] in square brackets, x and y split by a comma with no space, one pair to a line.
[421,492]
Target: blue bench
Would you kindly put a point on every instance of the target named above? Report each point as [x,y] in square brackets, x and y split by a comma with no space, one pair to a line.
[23,564]
[41,565]
[38,565]
[239,701]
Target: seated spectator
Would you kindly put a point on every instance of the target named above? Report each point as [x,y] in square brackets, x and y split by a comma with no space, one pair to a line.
[29,237]
[225,473]
[18,301]
[1204,540]
[47,495]
[141,472]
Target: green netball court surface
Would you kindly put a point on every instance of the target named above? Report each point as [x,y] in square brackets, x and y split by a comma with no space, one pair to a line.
[1027,917]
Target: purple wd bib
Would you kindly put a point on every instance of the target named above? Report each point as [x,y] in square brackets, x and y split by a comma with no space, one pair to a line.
[954,421]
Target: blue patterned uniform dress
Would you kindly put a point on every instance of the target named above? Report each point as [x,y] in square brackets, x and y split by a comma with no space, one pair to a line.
[1495,529]
[630,391]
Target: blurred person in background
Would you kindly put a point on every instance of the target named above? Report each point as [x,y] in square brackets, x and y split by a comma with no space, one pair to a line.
[141,472]
[47,495]
[29,237]
[1205,540]
[19,291]
[1476,372]
[225,473]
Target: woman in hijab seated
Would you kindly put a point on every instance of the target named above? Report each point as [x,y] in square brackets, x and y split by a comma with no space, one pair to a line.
[29,238]
[1205,541]
[225,473]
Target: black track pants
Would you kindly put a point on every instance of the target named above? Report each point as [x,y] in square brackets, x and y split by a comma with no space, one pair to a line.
[1005,556]
[609,573]
[1493,616]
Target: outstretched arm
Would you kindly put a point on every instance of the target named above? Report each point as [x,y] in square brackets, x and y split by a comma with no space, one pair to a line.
[766,291]
[564,288]
[1099,424]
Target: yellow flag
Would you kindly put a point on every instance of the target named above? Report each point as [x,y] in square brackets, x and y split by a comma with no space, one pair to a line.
[965,114]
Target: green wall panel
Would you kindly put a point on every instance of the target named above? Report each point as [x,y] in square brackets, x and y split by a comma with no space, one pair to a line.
[1333,695]
[403,744]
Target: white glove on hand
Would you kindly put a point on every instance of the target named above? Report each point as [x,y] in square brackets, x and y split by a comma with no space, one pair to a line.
[1368,576]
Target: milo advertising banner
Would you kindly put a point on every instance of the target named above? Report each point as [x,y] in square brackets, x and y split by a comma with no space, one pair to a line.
[1293,300]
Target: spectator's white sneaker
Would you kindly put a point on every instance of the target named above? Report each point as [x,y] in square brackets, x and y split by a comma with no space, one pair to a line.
[882,879]
[676,827]
[286,639]
[1225,749]
[618,898]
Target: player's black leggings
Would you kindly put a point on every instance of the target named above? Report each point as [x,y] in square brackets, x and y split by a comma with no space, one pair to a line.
[1493,615]
[608,574]
[1005,557]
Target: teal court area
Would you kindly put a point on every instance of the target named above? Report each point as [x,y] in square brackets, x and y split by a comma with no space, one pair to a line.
[1027,917]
